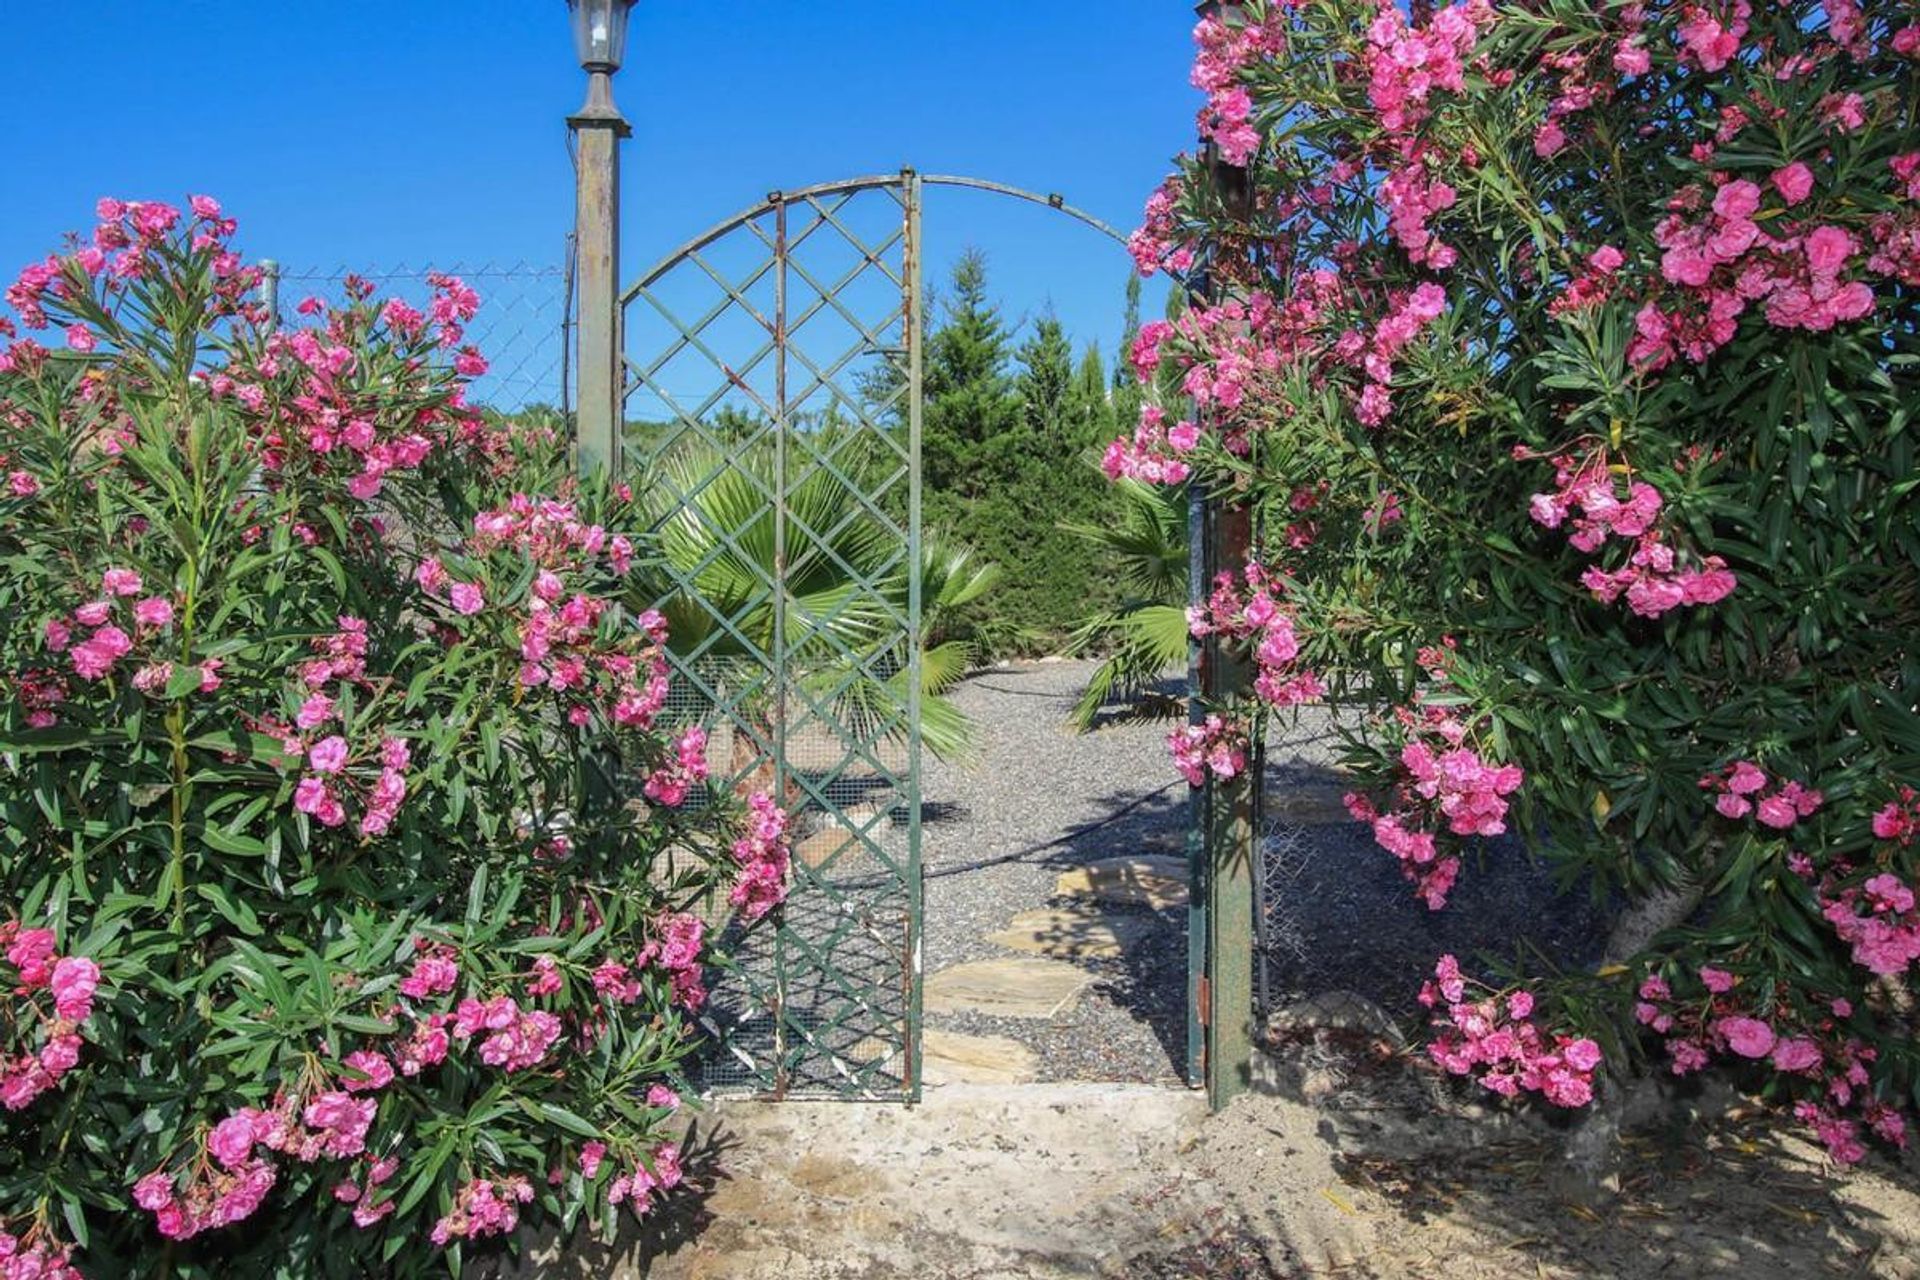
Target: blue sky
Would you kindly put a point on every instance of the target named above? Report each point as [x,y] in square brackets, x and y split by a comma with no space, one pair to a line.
[372,133]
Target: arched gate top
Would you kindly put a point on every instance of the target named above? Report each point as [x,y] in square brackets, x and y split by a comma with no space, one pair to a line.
[849,186]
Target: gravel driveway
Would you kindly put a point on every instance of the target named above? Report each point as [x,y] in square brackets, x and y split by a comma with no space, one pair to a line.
[1040,799]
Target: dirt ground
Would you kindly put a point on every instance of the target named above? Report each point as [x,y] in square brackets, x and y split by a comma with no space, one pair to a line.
[1349,1160]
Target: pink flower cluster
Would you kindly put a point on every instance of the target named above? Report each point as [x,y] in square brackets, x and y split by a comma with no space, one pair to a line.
[1221,353]
[1467,790]
[561,649]
[1411,197]
[1710,33]
[1816,1051]
[668,785]
[72,982]
[1877,919]
[1494,1039]
[516,1039]
[1900,819]
[231,1185]
[1654,579]
[763,858]
[483,1207]
[1737,790]
[315,407]
[1217,746]
[370,1203]
[1896,236]
[1586,74]
[1413,313]
[675,947]
[1721,261]
[1152,246]
[129,236]
[1152,456]
[33,1256]
[340,659]
[1405,64]
[659,1173]
[1443,784]
[1243,609]
[434,973]
[117,624]
[40,691]
[1401,835]
[1224,49]
[334,1123]
[551,535]
[1592,286]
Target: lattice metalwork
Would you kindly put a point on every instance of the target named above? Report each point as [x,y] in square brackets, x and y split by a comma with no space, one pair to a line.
[772,411]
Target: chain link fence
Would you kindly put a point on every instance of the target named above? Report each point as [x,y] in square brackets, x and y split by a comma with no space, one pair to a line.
[1338,931]
[524,328]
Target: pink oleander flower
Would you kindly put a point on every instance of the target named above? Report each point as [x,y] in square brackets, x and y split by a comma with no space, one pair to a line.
[95,657]
[1794,182]
[155,611]
[1716,980]
[1796,1054]
[74,980]
[374,1072]
[483,1207]
[466,598]
[230,1142]
[546,976]
[434,973]
[1748,1037]
[329,755]
[1497,1042]
[121,582]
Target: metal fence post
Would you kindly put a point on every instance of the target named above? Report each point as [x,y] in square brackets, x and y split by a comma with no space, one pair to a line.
[270,291]
[1230,828]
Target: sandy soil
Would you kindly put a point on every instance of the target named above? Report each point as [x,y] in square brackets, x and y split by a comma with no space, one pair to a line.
[1349,1160]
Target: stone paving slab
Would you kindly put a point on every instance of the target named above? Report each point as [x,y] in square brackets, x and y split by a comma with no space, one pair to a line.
[1141,881]
[1070,932]
[948,1057]
[1011,988]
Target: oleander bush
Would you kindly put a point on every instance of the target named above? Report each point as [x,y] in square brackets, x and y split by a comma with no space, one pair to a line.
[1567,355]
[352,881]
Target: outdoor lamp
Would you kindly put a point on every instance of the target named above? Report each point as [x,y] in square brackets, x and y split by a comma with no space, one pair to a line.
[600,32]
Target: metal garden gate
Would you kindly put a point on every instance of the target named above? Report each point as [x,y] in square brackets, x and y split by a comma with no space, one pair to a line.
[772,402]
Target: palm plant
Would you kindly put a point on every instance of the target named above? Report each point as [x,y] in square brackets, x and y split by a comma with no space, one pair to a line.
[837,621]
[1146,634]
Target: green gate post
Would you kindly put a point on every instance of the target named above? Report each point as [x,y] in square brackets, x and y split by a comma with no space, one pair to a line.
[913,267]
[1229,806]
[600,28]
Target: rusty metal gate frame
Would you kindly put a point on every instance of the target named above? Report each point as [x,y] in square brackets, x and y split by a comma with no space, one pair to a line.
[823,999]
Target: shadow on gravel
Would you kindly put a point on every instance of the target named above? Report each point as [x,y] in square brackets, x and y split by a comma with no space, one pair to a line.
[1745,1204]
[1148,979]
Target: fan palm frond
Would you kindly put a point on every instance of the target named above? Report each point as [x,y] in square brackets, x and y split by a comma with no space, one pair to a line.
[1146,643]
[823,579]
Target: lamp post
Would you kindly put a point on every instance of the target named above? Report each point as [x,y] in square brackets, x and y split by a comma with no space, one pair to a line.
[600,40]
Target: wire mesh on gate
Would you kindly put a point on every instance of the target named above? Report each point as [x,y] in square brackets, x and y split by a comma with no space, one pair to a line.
[522,328]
